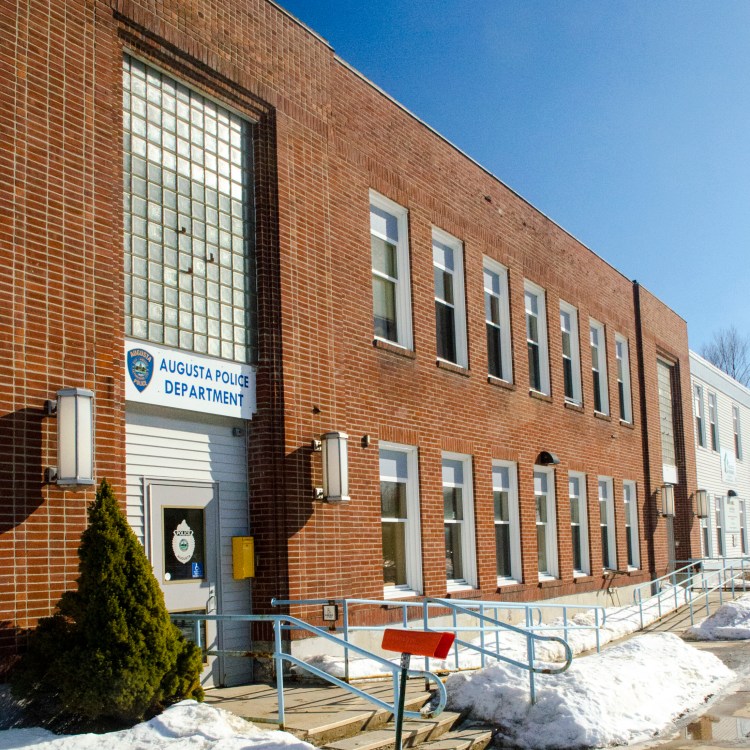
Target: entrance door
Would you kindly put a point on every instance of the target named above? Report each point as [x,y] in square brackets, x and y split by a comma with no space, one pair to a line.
[184,555]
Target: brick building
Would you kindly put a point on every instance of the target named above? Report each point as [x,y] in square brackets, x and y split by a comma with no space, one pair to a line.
[302,255]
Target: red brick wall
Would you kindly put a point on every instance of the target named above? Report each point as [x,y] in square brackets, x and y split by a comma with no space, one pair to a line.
[324,138]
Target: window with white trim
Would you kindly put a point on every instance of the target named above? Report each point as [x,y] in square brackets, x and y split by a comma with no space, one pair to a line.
[630,500]
[607,523]
[737,433]
[713,423]
[664,377]
[719,527]
[622,355]
[571,355]
[579,523]
[450,306]
[458,516]
[389,247]
[536,338]
[507,536]
[700,419]
[743,527]
[546,522]
[497,316]
[599,367]
[399,507]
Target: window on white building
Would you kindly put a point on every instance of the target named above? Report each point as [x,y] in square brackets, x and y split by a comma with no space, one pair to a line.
[664,375]
[536,338]
[546,522]
[607,523]
[737,433]
[507,537]
[631,523]
[579,523]
[458,515]
[399,507]
[450,306]
[622,355]
[713,423]
[571,357]
[700,419]
[389,247]
[497,316]
[599,368]
[719,528]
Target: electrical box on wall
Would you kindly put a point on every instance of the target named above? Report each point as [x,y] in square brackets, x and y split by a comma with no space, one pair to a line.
[243,557]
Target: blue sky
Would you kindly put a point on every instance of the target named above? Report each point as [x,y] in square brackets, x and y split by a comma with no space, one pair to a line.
[627,122]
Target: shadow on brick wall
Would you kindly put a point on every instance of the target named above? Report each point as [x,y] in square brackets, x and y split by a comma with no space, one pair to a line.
[12,643]
[21,467]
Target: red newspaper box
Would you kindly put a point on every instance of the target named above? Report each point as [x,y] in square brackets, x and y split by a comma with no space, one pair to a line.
[418,642]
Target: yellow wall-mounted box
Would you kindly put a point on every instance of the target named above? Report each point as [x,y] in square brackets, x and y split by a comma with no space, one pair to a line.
[243,557]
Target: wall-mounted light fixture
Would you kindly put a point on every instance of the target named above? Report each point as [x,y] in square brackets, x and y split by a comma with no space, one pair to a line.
[667,500]
[74,408]
[545,458]
[701,503]
[333,446]
[732,493]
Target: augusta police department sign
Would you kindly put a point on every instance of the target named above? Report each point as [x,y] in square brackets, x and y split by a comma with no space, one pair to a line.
[167,377]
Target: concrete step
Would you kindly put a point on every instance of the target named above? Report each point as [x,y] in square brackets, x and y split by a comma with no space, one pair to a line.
[415,732]
[467,738]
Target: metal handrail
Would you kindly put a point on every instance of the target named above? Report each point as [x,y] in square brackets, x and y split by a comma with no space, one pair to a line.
[425,605]
[281,622]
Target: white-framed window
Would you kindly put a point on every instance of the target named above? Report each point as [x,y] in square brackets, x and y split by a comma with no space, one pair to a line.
[546,522]
[571,355]
[599,367]
[579,529]
[536,337]
[630,499]
[497,316]
[389,246]
[713,421]
[507,527]
[743,527]
[458,517]
[622,355]
[719,528]
[705,545]
[700,419]
[399,504]
[450,305]
[607,523]
[737,432]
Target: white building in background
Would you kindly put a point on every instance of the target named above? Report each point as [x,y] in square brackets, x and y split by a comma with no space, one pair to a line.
[721,410]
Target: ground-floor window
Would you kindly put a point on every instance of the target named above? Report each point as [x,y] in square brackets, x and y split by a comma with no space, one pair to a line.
[607,523]
[458,515]
[546,540]
[507,542]
[399,504]
[579,523]
[631,523]
[719,529]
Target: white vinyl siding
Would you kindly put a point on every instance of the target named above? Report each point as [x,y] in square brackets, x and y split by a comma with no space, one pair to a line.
[666,421]
[161,446]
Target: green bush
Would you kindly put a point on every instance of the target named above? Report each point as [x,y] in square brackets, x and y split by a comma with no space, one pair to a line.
[110,655]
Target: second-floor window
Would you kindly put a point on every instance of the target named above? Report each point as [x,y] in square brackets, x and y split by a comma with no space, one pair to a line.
[713,423]
[497,318]
[737,434]
[571,359]
[599,368]
[700,423]
[390,271]
[622,356]
[536,338]
[450,316]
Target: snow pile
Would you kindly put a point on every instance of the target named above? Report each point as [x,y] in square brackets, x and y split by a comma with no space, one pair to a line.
[624,695]
[730,622]
[185,726]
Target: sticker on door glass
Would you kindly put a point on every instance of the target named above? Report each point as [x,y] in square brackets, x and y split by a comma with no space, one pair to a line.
[184,544]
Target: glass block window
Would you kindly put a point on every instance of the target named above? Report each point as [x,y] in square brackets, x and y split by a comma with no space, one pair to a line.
[189,263]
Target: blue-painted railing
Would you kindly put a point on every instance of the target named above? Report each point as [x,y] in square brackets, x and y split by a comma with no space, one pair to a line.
[286,622]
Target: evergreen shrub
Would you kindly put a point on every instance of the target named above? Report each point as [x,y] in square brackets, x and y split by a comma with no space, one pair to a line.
[110,655]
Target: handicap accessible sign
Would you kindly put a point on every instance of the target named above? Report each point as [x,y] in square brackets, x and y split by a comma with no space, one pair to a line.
[167,377]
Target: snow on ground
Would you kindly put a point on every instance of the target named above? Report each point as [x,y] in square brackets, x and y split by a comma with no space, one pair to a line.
[627,694]
[185,726]
[730,622]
